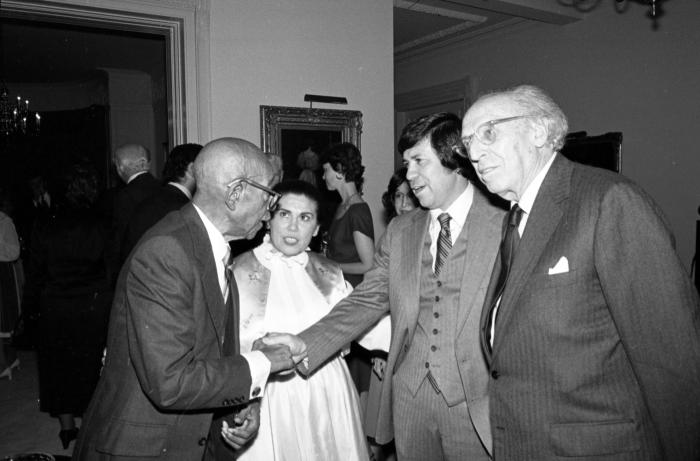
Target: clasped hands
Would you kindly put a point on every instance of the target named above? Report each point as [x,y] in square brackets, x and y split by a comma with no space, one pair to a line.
[283,350]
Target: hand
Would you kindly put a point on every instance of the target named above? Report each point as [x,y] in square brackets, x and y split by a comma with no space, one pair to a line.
[279,356]
[295,344]
[246,423]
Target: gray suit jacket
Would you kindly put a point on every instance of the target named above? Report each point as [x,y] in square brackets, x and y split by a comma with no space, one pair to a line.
[164,374]
[603,359]
[392,284]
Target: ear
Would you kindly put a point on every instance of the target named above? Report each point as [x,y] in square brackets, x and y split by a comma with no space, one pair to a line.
[339,176]
[233,195]
[538,132]
[318,226]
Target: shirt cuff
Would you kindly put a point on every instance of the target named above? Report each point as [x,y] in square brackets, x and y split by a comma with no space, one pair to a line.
[259,372]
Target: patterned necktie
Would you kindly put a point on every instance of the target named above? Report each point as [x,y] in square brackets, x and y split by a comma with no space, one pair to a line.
[444,243]
[230,344]
[511,239]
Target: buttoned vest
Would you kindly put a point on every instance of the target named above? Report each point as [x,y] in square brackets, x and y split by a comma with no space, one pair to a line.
[433,346]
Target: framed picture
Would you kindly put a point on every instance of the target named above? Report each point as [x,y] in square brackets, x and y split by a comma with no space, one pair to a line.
[603,151]
[299,135]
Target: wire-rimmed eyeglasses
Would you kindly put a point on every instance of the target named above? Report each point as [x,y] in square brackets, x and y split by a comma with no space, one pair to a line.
[274,197]
[484,133]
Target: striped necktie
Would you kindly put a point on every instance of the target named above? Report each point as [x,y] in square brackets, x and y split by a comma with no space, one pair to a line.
[444,243]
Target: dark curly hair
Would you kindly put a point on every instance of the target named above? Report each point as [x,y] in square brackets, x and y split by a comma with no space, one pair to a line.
[346,159]
[444,129]
[303,188]
[178,159]
[398,178]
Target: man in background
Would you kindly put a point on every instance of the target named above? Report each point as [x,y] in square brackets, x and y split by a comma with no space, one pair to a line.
[178,176]
[132,162]
[591,326]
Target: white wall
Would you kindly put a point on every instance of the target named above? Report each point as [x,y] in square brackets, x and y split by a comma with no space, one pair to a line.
[272,52]
[609,72]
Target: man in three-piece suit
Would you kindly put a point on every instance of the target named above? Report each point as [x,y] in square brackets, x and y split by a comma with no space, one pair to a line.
[132,162]
[178,176]
[433,398]
[593,341]
[172,364]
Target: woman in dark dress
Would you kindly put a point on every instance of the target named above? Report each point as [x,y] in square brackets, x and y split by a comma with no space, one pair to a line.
[351,245]
[351,234]
[68,278]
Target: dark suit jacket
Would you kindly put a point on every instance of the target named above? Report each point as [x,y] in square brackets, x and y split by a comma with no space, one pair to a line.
[150,211]
[603,359]
[164,374]
[393,284]
[125,202]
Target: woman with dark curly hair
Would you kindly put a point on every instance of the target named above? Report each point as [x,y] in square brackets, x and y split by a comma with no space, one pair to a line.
[351,235]
[398,198]
[67,278]
[351,243]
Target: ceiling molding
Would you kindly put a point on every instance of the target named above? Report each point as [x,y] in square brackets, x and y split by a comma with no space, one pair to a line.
[439,11]
[471,36]
[548,11]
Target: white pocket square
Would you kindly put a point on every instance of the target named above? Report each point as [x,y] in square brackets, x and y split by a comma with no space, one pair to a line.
[561,267]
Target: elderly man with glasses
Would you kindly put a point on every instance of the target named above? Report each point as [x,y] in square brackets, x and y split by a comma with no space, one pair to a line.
[591,325]
[174,385]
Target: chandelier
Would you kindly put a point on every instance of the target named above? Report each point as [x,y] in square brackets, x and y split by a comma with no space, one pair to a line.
[15,117]
[585,6]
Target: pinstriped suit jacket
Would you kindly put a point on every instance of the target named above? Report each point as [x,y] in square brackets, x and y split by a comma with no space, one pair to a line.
[602,360]
[393,284]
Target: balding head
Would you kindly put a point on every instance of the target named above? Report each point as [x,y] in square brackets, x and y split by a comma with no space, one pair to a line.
[234,209]
[130,159]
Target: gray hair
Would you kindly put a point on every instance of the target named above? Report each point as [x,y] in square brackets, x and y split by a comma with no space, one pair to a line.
[534,101]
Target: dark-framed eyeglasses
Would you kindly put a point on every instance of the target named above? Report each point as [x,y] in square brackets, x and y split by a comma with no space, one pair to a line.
[485,134]
[274,197]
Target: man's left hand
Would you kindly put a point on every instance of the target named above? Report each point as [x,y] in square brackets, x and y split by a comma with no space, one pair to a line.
[245,425]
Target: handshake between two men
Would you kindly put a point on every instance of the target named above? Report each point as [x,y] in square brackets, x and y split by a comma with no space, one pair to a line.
[284,351]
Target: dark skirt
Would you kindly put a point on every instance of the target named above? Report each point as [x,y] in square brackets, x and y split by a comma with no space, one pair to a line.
[72,337]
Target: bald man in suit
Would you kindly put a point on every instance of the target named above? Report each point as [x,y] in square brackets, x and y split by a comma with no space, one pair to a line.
[174,386]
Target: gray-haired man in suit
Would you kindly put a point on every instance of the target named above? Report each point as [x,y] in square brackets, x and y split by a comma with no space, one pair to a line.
[433,399]
[593,341]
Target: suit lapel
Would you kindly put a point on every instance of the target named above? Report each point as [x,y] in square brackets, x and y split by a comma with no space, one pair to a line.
[544,218]
[204,260]
[410,255]
[482,236]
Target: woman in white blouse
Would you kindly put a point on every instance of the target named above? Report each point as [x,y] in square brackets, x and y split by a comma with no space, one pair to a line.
[283,287]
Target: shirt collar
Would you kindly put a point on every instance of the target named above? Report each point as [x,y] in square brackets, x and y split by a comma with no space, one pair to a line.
[459,209]
[219,245]
[182,188]
[528,199]
[133,176]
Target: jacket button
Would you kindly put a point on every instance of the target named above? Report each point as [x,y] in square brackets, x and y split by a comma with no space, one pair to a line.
[256,392]
[202,441]
[437,298]
[427,365]
[495,374]
[433,348]
[439,283]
